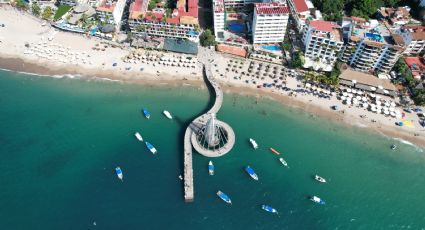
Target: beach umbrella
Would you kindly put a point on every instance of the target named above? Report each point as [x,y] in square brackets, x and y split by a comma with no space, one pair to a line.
[344,94]
[354,91]
[354,81]
[387,104]
[378,97]
[358,98]
[372,95]
[365,105]
[386,92]
[392,109]
[386,112]
[393,104]
[373,109]
[343,98]
[372,88]
[364,99]
[348,102]
[348,90]
[392,114]
[380,87]
[333,93]
[307,85]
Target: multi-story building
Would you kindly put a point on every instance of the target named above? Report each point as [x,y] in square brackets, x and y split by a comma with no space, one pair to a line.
[370,47]
[111,11]
[238,4]
[93,3]
[396,16]
[181,22]
[322,43]
[269,23]
[219,18]
[413,38]
[302,11]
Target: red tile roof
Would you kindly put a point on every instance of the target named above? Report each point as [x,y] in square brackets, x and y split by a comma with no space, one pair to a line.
[140,7]
[271,8]
[325,26]
[238,51]
[415,64]
[300,6]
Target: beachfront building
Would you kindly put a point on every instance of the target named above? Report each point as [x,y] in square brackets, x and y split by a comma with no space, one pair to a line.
[413,38]
[181,22]
[70,2]
[322,44]
[269,23]
[302,11]
[111,12]
[370,46]
[219,18]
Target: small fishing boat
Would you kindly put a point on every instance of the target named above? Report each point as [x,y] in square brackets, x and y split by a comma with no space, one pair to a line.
[167,114]
[119,173]
[393,147]
[146,113]
[210,168]
[138,136]
[253,143]
[317,200]
[251,172]
[269,208]
[274,151]
[224,197]
[150,147]
[320,179]
[180,177]
[283,162]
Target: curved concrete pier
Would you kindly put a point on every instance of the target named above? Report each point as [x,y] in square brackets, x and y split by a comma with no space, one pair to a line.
[192,130]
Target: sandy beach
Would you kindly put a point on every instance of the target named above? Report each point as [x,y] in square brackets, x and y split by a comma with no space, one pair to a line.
[34,48]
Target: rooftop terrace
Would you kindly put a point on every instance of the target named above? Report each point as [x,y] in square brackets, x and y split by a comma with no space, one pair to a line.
[186,12]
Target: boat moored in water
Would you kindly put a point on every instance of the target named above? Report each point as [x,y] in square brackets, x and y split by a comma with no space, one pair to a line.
[138,136]
[251,172]
[317,200]
[119,173]
[210,168]
[319,178]
[167,114]
[253,143]
[283,162]
[224,197]
[274,151]
[146,113]
[393,147]
[269,208]
[150,147]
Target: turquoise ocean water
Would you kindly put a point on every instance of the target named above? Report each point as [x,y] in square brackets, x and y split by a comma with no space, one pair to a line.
[60,140]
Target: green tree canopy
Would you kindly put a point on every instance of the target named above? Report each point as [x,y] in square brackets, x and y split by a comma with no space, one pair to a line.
[297,60]
[207,38]
[47,13]
[35,9]
[419,96]
[21,4]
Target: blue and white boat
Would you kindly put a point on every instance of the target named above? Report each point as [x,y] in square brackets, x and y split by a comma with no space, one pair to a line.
[317,200]
[150,147]
[119,173]
[146,113]
[251,172]
[224,197]
[210,168]
[269,208]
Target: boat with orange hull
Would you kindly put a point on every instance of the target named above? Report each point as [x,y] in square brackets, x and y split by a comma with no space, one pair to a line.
[274,151]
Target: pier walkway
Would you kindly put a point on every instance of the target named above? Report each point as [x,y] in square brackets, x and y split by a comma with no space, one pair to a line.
[192,130]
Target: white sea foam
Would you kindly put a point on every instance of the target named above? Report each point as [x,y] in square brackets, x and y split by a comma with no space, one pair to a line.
[409,143]
[105,79]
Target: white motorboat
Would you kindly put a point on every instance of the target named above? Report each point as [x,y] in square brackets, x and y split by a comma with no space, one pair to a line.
[167,114]
[253,143]
[320,179]
[138,136]
[283,162]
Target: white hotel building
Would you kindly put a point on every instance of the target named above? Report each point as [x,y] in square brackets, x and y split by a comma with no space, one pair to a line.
[301,11]
[219,18]
[323,42]
[269,23]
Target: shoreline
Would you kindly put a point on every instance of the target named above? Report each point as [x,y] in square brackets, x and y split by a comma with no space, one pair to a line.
[17,64]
